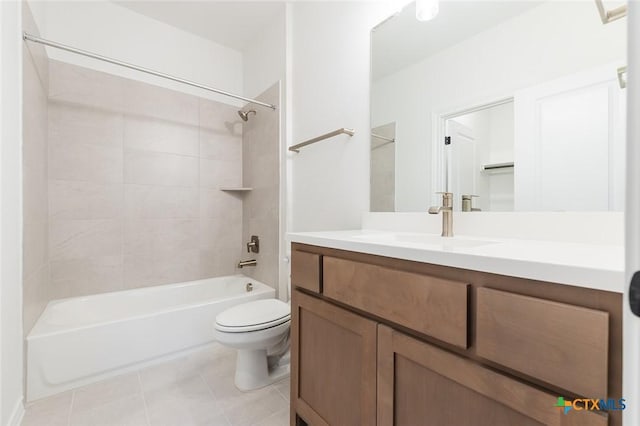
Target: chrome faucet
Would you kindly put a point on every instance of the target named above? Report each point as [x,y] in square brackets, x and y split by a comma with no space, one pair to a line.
[447,213]
[244,263]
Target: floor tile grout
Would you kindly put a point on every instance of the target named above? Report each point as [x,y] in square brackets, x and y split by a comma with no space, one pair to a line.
[73,397]
[214,397]
[144,399]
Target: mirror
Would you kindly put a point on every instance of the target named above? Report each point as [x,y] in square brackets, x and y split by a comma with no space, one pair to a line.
[515,105]
[383,168]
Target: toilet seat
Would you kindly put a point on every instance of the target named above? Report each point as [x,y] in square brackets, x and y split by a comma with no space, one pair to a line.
[253,316]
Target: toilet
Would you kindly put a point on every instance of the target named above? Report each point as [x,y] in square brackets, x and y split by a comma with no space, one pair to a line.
[259,330]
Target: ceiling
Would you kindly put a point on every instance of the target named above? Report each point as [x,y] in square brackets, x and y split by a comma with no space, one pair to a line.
[403,40]
[232,24]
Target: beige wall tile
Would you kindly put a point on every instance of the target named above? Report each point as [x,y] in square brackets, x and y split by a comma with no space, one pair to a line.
[152,168]
[221,261]
[160,235]
[161,202]
[221,246]
[84,144]
[146,100]
[84,86]
[261,171]
[85,162]
[220,117]
[218,145]
[218,233]
[84,200]
[142,270]
[35,248]
[79,124]
[35,231]
[216,204]
[149,134]
[36,296]
[82,239]
[134,177]
[220,173]
[35,194]
[79,277]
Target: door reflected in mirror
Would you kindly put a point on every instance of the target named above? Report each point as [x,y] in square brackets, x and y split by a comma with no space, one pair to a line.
[515,105]
[479,158]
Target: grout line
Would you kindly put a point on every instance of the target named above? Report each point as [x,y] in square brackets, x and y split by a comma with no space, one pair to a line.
[222,410]
[73,398]
[149,151]
[286,398]
[101,183]
[144,400]
[123,217]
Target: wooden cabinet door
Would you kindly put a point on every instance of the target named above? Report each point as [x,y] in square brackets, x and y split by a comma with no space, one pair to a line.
[333,355]
[420,384]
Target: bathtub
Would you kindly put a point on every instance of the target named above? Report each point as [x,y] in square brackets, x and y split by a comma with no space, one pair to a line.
[81,340]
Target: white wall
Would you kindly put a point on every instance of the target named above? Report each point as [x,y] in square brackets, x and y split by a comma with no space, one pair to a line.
[11,380]
[330,89]
[108,29]
[264,59]
[526,51]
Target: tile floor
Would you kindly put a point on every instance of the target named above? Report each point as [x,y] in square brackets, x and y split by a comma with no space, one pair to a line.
[197,389]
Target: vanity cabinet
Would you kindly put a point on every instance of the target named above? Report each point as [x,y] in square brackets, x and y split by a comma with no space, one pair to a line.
[334,363]
[382,341]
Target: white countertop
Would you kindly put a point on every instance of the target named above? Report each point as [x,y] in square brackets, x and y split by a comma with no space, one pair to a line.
[583,265]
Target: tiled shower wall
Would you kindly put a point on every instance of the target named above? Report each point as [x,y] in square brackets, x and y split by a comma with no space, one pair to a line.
[261,171]
[135,173]
[35,266]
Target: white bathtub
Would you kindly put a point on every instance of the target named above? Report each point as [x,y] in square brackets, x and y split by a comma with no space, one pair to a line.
[81,340]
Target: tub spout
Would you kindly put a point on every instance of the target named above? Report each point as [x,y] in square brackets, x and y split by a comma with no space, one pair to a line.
[244,263]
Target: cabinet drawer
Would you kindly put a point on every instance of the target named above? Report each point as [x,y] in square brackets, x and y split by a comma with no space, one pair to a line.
[306,270]
[432,306]
[560,344]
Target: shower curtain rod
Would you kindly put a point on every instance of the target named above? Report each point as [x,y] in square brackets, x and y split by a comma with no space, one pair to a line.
[29,37]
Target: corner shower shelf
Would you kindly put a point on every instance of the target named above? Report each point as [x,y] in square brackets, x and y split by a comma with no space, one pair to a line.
[236,189]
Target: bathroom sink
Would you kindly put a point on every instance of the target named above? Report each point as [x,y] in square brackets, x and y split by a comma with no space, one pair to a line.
[423,239]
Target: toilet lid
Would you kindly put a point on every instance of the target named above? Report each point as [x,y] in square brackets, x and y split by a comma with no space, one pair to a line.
[251,316]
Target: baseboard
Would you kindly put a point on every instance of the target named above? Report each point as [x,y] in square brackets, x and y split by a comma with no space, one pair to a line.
[18,413]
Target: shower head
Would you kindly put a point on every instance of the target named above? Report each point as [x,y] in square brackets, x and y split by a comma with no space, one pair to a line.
[245,114]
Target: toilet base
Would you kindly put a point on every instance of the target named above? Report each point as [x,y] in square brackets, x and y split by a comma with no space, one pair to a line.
[253,372]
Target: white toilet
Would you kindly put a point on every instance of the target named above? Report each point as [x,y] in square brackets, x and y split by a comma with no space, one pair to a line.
[259,330]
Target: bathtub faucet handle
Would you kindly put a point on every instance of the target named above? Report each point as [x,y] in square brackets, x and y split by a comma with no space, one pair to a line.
[253,246]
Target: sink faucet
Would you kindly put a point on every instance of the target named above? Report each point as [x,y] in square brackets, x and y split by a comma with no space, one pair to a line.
[447,213]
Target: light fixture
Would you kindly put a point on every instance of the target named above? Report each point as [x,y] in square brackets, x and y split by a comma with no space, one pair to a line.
[426,9]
